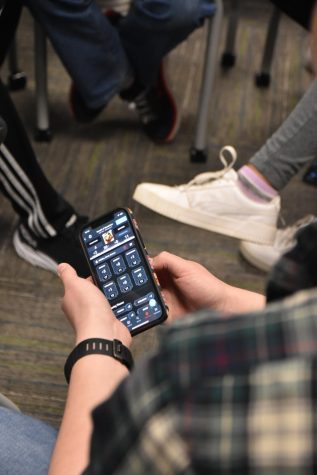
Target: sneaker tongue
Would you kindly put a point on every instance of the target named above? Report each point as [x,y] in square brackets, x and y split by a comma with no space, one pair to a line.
[228,157]
[208,177]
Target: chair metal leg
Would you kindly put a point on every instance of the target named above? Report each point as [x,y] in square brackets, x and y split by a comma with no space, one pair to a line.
[16,79]
[228,58]
[42,131]
[198,152]
[263,78]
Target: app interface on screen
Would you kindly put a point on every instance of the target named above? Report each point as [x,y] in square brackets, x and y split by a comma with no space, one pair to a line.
[113,251]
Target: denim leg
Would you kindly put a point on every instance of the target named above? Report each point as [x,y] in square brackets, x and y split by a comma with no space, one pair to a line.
[293,145]
[88,45]
[26,444]
[153,28]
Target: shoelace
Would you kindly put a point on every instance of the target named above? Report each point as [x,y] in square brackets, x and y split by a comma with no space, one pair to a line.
[207,177]
[143,106]
[286,237]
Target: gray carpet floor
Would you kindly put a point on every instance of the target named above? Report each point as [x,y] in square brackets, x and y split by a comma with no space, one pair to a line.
[97,167]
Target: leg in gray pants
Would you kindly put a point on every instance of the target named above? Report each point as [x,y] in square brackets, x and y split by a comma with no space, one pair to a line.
[293,145]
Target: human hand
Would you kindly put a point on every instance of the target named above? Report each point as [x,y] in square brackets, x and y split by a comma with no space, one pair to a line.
[187,285]
[88,310]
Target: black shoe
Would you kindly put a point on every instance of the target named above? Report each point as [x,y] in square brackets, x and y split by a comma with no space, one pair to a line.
[48,253]
[156,108]
[79,110]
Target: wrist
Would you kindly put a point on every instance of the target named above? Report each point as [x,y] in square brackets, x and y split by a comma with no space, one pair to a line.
[114,349]
[115,331]
[220,296]
[226,299]
[124,337]
[237,300]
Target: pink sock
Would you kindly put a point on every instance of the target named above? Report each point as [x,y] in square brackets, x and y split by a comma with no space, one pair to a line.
[255,187]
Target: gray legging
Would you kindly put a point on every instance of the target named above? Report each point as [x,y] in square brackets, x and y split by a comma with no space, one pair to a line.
[293,144]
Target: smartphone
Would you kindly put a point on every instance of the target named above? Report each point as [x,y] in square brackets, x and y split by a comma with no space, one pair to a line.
[119,264]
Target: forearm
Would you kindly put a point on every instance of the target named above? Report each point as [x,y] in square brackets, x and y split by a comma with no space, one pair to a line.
[93,379]
[237,300]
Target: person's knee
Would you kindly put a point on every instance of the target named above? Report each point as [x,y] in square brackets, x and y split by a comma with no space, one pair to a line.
[26,444]
[175,13]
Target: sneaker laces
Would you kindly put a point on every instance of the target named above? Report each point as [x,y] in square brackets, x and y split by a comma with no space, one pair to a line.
[287,237]
[144,108]
[207,177]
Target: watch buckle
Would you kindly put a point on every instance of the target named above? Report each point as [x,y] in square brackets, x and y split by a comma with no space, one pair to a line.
[117,349]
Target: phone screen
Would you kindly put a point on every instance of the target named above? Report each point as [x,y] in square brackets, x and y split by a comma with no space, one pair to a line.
[117,259]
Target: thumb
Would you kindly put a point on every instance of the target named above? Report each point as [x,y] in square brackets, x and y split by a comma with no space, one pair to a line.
[166,261]
[66,273]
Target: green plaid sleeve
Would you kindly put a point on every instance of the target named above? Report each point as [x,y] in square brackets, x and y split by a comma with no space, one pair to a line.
[224,396]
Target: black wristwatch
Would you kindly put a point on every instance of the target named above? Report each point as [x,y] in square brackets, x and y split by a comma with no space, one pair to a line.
[98,346]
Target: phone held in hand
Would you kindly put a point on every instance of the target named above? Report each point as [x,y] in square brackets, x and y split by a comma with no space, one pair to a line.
[119,264]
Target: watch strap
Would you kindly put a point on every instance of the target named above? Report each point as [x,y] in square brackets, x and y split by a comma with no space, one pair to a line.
[98,346]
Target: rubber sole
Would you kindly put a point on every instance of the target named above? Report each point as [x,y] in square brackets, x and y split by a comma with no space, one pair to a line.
[177,118]
[36,258]
[255,232]
[252,259]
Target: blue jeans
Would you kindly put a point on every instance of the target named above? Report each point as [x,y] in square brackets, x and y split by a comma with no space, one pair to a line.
[26,444]
[102,59]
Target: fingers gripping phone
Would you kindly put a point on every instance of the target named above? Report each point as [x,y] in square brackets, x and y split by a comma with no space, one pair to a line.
[119,264]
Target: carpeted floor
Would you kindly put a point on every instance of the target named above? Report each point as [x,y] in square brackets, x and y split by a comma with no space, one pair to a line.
[97,167]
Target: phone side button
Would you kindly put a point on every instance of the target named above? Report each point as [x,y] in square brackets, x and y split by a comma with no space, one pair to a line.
[135,223]
[156,280]
[142,242]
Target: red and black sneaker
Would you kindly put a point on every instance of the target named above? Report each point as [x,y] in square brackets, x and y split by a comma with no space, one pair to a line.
[156,107]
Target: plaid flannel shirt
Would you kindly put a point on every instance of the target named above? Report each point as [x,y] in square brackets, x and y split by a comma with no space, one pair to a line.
[222,395]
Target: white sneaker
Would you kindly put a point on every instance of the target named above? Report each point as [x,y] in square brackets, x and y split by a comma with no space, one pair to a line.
[264,257]
[214,201]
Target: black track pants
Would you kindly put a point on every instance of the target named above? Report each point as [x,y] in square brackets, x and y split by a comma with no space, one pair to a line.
[23,182]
